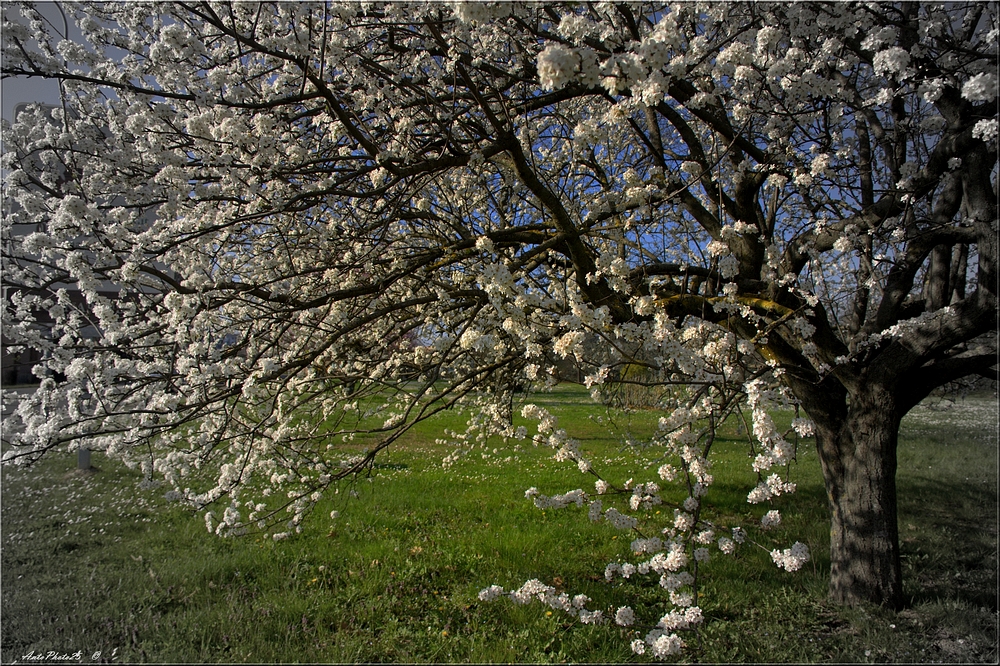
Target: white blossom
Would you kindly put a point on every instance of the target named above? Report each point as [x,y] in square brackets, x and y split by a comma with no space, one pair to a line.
[770,519]
[556,66]
[892,61]
[986,130]
[981,87]
[331,222]
[791,559]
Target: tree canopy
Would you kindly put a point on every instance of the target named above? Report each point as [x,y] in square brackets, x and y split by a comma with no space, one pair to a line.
[254,227]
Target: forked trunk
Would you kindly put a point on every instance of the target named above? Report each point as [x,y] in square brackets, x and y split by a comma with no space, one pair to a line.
[858,454]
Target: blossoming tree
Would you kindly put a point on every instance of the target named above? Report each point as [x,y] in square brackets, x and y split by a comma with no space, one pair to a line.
[283,220]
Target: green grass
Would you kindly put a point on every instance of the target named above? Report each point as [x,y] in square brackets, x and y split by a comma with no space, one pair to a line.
[91,563]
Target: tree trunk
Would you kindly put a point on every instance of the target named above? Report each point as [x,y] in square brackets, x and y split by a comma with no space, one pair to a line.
[936,288]
[959,267]
[858,455]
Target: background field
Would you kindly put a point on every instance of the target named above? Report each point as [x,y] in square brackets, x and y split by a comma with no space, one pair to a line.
[91,562]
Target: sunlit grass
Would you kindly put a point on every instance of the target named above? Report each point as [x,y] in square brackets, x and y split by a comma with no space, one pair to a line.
[91,563]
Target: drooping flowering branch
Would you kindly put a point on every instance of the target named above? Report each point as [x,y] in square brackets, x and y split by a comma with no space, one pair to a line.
[256,243]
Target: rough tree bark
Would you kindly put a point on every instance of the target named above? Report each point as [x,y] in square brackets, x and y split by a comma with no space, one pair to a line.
[858,456]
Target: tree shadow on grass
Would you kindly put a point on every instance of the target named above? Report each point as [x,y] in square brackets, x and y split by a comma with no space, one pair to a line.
[948,542]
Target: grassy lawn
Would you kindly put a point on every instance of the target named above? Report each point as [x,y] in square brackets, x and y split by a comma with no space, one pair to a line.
[92,563]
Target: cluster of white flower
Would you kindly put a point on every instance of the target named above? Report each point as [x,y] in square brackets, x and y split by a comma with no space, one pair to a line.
[777,451]
[891,62]
[624,617]
[619,520]
[981,87]
[685,619]
[484,244]
[770,519]
[667,472]
[662,642]
[646,545]
[769,488]
[599,377]
[570,344]
[476,12]
[535,590]
[577,497]
[683,522]
[986,130]
[644,496]
[294,272]
[557,65]
[594,511]
[804,427]
[791,559]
